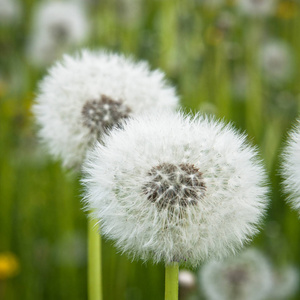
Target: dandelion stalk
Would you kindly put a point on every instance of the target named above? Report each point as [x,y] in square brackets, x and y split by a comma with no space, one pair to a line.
[171,281]
[94,262]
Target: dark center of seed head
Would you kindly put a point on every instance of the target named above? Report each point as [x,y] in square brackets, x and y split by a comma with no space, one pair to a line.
[59,31]
[171,186]
[237,276]
[102,114]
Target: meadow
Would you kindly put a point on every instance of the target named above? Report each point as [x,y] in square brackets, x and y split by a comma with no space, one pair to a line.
[214,55]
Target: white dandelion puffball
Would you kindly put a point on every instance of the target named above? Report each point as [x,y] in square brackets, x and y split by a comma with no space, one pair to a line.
[285,283]
[276,61]
[57,27]
[256,8]
[290,167]
[10,11]
[247,276]
[85,95]
[172,188]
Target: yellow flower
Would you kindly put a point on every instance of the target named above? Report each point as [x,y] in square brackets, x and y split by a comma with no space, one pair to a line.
[9,265]
[287,10]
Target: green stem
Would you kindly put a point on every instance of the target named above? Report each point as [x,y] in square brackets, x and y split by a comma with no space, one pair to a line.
[94,261]
[171,281]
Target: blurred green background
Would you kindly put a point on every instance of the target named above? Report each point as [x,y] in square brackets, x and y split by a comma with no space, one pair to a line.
[216,55]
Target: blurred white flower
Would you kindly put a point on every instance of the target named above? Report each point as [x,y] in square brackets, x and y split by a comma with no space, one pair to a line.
[247,276]
[256,8]
[186,279]
[187,284]
[290,168]
[285,283]
[10,11]
[173,188]
[276,61]
[58,26]
[85,95]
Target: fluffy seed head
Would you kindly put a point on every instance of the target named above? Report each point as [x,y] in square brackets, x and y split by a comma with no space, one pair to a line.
[10,12]
[85,95]
[256,8]
[174,188]
[276,62]
[247,276]
[285,283]
[58,26]
[290,168]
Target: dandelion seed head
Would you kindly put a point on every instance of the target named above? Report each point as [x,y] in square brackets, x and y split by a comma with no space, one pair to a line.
[256,8]
[290,168]
[244,277]
[276,62]
[63,21]
[85,95]
[285,282]
[58,26]
[173,188]
[10,12]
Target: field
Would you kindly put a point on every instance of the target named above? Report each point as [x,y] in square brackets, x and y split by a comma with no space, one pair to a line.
[215,56]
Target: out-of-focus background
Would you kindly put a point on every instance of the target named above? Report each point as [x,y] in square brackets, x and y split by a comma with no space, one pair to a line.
[237,59]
